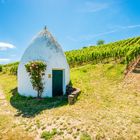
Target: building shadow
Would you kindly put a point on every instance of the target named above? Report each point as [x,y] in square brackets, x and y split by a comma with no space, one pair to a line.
[30,107]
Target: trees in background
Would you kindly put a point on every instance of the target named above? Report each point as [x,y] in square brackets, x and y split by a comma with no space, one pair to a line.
[100,42]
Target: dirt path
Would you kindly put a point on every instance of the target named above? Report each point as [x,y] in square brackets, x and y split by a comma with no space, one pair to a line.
[4,107]
[132,80]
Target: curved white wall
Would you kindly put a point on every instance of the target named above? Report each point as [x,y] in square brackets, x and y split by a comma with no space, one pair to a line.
[44,48]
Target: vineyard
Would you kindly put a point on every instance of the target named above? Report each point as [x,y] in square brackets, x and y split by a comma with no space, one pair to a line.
[123,51]
[10,68]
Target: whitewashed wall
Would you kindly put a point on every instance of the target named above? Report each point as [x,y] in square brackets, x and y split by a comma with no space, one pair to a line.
[45,48]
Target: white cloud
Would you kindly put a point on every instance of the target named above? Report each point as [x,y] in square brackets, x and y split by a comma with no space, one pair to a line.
[91,7]
[130,26]
[4,60]
[117,29]
[92,36]
[5,46]
[71,39]
[88,37]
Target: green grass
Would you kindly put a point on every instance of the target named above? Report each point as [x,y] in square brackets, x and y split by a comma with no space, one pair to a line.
[104,110]
[29,107]
[49,135]
[85,136]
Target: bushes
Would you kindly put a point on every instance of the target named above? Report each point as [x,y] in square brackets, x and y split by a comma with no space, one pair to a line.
[49,135]
[10,68]
[13,70]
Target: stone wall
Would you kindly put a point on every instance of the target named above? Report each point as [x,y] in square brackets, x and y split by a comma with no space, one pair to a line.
[73,96]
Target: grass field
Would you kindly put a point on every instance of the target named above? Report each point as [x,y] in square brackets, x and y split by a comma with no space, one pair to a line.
[104,109]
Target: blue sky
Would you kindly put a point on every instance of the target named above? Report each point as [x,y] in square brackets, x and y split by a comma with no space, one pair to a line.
[74,23]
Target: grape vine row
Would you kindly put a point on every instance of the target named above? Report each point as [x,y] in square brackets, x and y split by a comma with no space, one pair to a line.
[123,51]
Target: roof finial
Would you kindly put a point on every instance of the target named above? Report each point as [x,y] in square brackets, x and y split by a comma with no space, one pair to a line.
[45,28]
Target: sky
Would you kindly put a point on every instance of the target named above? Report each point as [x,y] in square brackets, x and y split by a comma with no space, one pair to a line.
[74,23]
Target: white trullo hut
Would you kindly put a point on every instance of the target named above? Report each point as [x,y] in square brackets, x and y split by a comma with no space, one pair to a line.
[45,48]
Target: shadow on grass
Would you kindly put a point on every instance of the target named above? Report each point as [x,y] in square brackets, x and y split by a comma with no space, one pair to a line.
[30,107]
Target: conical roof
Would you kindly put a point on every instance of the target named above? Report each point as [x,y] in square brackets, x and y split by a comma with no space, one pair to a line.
[46,36]
[43,47]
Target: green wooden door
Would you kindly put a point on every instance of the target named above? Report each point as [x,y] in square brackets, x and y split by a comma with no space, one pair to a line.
[57,82]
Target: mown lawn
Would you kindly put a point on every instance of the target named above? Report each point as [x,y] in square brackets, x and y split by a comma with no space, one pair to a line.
[104,109]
